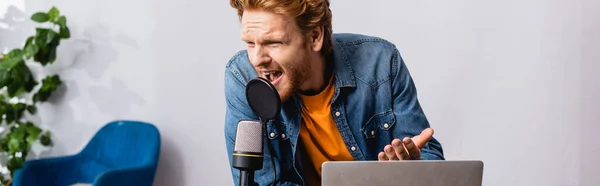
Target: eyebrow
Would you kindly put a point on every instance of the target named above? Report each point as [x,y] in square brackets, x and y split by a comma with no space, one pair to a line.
[270,38]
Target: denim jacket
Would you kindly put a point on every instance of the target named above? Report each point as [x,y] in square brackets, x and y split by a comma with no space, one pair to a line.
[375,101]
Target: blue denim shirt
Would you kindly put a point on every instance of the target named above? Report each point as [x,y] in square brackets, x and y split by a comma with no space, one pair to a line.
[375,101]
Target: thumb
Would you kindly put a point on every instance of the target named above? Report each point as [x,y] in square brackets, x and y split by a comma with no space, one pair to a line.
[421,139]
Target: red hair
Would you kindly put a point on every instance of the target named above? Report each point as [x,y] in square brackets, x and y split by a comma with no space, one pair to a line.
[307,14]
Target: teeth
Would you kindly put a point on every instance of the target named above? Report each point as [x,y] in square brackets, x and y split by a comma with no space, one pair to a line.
[269,75]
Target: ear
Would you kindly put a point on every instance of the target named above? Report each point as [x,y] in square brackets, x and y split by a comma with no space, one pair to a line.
[316,38]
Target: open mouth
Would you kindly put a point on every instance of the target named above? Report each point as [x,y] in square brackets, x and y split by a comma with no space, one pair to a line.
[272,76]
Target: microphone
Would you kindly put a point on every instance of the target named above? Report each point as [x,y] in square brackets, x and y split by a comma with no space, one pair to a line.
[248,152]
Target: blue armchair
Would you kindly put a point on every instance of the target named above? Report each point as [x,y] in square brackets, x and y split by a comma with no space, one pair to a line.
[120,153]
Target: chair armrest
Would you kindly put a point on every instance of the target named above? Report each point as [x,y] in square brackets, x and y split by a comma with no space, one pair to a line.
[43,171]
[138,175]
[50,162]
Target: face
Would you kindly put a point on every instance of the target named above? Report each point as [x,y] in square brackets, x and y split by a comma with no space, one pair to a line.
[277,50]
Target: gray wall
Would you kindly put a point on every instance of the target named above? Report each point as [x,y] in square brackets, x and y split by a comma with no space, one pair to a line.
[507,82]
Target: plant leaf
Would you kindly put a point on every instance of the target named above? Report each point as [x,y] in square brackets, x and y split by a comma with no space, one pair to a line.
[40,35]
[32,109]
[3,108]
[10,63]
[65,33]
[9,111]
[47,41]
[15,163]
[51,34]
[40,40]
[53,14]
[30,50]
[45,139]
[4,77]
[40,17]
[62,21]
[19,110]
[52,50]
[30,81]
[14,90]
[29,40]
[18,132]
[49,85]
[13,145]
[30,47]
[33,132]
[15,54]
[20,75]
[3,144]
[11,59]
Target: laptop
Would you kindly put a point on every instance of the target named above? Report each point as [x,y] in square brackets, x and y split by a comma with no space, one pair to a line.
[402,173]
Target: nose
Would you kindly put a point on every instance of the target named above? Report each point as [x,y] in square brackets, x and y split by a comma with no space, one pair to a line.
[260,57]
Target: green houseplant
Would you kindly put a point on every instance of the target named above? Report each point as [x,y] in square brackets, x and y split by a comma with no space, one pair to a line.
[20,92]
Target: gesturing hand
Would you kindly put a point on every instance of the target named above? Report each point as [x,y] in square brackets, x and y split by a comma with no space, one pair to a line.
[406,149]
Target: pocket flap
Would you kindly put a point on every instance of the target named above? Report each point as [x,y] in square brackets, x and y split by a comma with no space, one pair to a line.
[276,129]
[382,121]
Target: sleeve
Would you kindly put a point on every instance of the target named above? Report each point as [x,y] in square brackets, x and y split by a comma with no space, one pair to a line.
[235,110]
[408,111]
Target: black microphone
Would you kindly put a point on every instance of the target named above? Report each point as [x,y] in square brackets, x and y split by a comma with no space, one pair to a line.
[248,151]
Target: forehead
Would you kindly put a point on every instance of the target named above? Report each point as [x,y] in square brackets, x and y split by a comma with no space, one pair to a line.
[263,23]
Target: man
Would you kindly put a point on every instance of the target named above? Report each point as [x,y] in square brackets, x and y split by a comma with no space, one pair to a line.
[345,96]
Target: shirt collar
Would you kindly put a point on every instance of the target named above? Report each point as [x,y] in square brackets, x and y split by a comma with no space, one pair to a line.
[344,75]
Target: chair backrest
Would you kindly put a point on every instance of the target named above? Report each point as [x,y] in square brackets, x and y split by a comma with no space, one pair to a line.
[124,143]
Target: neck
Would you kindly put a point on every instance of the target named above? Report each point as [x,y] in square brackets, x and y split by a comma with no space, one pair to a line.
[322,71]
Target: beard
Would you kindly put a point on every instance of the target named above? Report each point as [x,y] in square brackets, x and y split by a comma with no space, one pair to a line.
[294,75]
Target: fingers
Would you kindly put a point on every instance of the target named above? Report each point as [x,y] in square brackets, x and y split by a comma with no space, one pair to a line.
[413,150]
[390,152]
[407,148]
[382,156]
[421,139]
[400,150]
[395,151]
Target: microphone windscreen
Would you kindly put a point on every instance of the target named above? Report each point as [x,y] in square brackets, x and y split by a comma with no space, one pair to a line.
[249,137]
[263,98]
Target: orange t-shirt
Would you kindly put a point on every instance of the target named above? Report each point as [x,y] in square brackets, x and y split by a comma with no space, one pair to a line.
[318,131]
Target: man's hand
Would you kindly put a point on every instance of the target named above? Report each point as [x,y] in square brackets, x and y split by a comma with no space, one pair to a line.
[406,149]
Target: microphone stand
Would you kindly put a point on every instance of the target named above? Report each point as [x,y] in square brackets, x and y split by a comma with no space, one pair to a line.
[247,178]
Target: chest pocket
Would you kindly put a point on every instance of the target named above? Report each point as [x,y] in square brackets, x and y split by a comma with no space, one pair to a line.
[277,138]
[276,130]
[378,131]
[380,126]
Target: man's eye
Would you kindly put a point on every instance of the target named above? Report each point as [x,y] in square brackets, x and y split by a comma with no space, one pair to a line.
[250,43]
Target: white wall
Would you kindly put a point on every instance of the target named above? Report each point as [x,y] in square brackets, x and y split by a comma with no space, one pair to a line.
[508,82]
[590,91]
